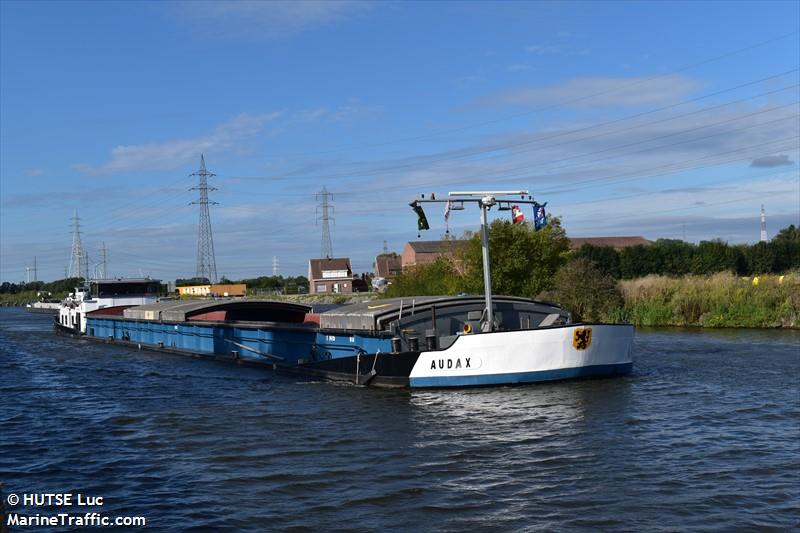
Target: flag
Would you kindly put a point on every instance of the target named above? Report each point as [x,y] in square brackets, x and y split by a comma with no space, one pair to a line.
[422,220]
[539,215]
[516,215]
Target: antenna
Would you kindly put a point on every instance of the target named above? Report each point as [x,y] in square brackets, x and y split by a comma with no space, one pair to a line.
[76,254]
[763,225]
[206,262]
[325,214]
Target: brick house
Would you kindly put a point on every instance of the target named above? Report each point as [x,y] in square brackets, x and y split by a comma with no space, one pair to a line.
[422,252]
[388,266]
[330,275]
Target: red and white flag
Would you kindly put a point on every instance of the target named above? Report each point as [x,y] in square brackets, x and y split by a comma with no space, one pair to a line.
[516,215]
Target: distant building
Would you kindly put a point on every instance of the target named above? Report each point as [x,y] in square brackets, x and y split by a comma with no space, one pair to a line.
[617,243]
[195,290]
[388,266]
[330,275]
[233,289]
[230,289]
[422,252]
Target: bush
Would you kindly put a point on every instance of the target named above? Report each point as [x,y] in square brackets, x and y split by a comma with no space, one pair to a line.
[585,290]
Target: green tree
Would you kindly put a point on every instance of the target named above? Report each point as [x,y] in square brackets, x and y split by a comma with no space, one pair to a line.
[432,279]
[588,292]
[606,258]
[760,258]
[523,260]
[786,248]
[714,256]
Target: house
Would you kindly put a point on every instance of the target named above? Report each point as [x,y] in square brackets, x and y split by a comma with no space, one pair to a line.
[330,275]
[233,289]
[195,290]
[388,266]
[422,252]
[617,243]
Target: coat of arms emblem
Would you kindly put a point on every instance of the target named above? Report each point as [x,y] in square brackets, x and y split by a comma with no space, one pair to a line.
[582,338]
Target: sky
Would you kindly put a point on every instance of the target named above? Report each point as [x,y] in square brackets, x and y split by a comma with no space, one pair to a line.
[661,119]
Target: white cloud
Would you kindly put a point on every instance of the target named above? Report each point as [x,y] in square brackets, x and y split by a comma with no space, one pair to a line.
[175,153]
[267,19]
[598,92]
[34,172]
[519,67]
[542,49]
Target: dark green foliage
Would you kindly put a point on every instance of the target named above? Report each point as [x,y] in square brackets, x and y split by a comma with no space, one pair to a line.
[668,257]
[188,282]
[606,258]
[586,290]
[714,256]
[760,258]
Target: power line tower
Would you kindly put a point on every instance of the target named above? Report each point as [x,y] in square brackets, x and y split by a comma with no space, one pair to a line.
[206,262]
[76,255]
[275,266]
[35,270]
[385,248]
[763,225]
[325,214]
[86,265]
[104,262]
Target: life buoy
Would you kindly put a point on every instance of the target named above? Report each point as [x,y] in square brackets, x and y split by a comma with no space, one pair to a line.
[467,328]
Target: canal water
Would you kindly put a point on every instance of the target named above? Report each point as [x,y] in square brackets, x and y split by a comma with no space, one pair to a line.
[705,435]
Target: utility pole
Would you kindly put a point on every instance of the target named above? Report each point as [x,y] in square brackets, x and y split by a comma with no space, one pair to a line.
[206,261]
[325,214]
[763,224]
[77,254]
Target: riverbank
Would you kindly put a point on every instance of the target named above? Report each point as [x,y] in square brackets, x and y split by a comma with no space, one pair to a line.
[718,301]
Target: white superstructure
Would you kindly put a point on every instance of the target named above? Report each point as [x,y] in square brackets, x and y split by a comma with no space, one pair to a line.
[100,294]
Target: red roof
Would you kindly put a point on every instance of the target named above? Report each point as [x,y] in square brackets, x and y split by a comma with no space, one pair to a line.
[614,242]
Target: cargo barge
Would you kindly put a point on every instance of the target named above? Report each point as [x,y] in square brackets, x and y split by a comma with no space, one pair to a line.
[422,342]
[401,342]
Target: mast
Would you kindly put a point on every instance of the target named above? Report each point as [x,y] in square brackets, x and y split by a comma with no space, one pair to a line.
[485,201]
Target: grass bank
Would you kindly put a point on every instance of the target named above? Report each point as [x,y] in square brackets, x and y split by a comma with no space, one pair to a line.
[718,301]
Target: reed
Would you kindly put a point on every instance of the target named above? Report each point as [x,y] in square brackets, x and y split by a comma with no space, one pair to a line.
[716,301]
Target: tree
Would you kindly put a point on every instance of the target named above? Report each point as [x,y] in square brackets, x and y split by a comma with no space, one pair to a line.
[523,260]
[431,279]
[713,256]
[585,290]
[606,258]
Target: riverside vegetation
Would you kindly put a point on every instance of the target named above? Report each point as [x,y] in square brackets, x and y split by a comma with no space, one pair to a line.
[666,283]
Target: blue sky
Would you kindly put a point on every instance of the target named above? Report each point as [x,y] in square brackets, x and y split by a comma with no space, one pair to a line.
[661,119]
